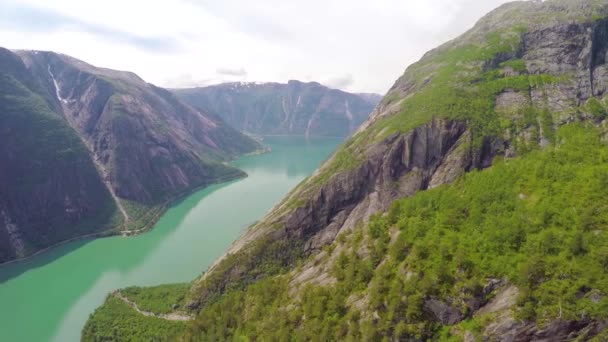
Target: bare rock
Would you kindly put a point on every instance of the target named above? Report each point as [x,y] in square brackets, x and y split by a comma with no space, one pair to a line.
[442,312]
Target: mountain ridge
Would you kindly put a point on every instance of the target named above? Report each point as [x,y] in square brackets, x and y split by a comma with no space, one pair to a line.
[293,108]
[145,148]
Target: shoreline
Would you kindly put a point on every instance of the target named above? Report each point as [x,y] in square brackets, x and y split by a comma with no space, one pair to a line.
[161,210]
[115,231]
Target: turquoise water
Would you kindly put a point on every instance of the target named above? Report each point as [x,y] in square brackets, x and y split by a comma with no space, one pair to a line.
[49,297]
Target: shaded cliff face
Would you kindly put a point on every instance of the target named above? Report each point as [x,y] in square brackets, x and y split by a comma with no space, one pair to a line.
[150,144]
[294,108]
[138,141]
[48,181]
[500,91]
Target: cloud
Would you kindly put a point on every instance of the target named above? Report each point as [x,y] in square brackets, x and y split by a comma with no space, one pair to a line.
[362,46]
[188,81]
[38,20]
[254,18]
[342,82]
[240,72]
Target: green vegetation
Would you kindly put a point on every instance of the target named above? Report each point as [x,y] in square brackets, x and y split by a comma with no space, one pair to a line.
[595,108]
[116,321]
[157,299]
[516,64]
[538,221]
[261,258]
[459,83]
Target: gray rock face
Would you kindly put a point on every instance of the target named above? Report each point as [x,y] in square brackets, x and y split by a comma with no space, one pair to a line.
[442,312]
[396,167]
[295,108]
[510,330]
[577,51]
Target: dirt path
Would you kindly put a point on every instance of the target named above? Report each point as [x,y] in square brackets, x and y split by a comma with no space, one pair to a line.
[174,316]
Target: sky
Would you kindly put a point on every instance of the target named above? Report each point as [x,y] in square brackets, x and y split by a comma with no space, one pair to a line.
[353,45]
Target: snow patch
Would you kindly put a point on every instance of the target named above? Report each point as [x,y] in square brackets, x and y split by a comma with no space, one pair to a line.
[239,85]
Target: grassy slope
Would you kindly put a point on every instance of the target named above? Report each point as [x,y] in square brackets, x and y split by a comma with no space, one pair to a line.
[116,321]
[158,299]
[545,231]
[453,81]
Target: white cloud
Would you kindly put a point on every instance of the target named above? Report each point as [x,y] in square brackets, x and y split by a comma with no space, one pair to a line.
[238,72]
[350,44]
[340,82]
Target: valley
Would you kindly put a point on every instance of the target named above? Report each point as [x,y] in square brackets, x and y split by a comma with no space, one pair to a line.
[466,204]
[467,207]
[101,151]
[57,290]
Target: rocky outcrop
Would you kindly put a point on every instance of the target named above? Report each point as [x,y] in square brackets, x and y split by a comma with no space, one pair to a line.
[397,167]
[504,327]
[295,108]
[507,329]
[442,312]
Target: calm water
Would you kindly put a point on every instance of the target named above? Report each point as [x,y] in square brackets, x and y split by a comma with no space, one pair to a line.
[49,297]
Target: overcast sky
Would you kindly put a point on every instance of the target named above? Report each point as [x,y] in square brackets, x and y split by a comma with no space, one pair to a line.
[355,45]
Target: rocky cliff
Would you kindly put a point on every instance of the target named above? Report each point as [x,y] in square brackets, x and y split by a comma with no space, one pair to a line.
[296,108]
[465,208]
[139,142]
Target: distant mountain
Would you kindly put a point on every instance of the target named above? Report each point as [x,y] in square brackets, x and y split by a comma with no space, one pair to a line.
[273,108]
[372,98]
[86,149]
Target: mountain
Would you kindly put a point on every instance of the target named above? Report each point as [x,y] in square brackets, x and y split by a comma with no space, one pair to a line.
[469,206]
[87,150]
[294,108]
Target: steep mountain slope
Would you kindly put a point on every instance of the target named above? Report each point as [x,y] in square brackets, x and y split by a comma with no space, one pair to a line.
[47,179]
[138,140]
[294,108]
[486,164]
